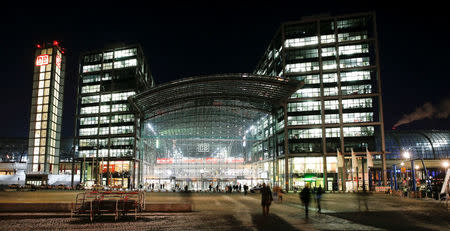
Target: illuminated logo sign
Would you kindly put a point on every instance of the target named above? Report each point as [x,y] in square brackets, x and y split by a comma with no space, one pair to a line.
[203,147]
[58,61]
[42,60]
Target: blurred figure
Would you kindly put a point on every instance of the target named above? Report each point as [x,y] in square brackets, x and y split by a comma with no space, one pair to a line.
[319,193]
[266,199]
[305,197]
[245,189]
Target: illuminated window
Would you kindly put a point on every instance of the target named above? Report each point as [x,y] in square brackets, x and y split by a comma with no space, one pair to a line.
[299,42]
[89,110]
[125,53]
[355,76]
[331,119]
[354,49]
[90,89]
[302,67]
[91,68]
[327,38]
[90,99]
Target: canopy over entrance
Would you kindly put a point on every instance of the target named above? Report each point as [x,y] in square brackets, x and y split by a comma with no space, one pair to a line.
[209,127]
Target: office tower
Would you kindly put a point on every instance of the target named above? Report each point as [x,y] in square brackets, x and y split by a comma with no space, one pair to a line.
[46,113]
[107,129]
[339,108]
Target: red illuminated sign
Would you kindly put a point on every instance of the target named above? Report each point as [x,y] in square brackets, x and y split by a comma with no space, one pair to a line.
[58,61]
[42,60]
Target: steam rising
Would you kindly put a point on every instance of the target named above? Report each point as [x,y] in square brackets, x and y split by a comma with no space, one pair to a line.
[442,111]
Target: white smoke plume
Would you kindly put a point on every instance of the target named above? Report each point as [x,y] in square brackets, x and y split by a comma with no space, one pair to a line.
[442,111]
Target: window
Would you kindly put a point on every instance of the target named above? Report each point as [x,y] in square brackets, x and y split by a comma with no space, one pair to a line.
[122,141]
[328,51]
[356,89]
[122,129]
[305,133]
[302,54]
[330,91]
[309,79]
[354,62]
[355,76]
[331,119]
[122,118]
[353,36]
[357,103]
[90,99]
[108,55]
[88,120]
[119,107]
[91,68]
[88,131]
[90,89]
[302,67]
[327,38]
[88,142]
[90,78]
[89,110]
[331,105]
[329,65]
[122,96]
[107,66]
[351,23]
[105,108]
[299,42]
[353,49]
[302,120]
[332,132]
[357,117]
[307,92]
[103,131]
[125,63]
[93,58]
[330,78]
[358,131]
[304,106]
[125,53]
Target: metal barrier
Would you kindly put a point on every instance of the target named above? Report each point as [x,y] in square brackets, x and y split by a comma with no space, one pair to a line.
[108,202]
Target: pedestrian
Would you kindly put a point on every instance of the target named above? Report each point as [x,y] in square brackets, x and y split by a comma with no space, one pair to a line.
[240,187]
[266,199]
[217,187]
[319,197]
[245,189]
[305,197]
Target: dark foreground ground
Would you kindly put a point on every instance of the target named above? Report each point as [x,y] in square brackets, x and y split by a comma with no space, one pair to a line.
[218,211]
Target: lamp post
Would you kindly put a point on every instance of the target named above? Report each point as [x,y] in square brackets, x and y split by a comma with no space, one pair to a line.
[407,156]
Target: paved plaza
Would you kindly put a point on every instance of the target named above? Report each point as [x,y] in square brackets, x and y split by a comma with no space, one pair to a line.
[219,211]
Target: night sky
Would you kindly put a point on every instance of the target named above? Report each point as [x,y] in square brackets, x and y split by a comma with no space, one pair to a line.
[186,41]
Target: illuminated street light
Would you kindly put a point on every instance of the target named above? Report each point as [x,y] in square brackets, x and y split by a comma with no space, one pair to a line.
[402,163]
[445,164]
[406,154]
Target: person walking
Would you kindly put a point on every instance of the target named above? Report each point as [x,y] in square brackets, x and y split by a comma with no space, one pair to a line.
[305,197]
[319,197]
[266,199]
[245,189]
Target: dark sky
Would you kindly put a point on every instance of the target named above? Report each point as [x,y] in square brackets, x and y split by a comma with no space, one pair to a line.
[187,41]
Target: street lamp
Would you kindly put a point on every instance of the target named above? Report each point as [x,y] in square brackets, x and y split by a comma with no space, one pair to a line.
[407,155]
[445,164]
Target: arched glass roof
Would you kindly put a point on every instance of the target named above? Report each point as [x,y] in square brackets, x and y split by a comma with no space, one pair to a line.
[244,91]
[420,144]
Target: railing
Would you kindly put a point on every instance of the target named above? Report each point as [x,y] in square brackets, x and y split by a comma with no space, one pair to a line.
[107,202]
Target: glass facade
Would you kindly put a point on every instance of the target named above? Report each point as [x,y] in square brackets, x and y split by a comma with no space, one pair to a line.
[428,145]
[46,110]
[338,108]
[107,135]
